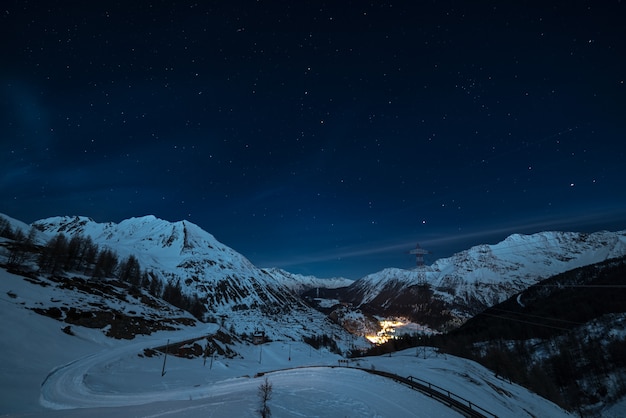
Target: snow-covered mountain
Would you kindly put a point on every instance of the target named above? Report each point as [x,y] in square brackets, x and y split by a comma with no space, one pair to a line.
[229,284]
[300,283]
[441,295]
[47,372]
[471,280]
[248,298]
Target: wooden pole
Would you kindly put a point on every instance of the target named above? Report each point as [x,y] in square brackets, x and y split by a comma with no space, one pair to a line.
[165,358]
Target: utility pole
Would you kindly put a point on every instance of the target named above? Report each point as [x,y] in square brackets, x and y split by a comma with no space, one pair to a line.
[165,358]
[209,352]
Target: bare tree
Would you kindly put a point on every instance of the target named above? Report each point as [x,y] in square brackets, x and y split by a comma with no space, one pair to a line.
[265,394]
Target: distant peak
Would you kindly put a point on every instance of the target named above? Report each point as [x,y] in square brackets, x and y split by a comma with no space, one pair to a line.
[145,218]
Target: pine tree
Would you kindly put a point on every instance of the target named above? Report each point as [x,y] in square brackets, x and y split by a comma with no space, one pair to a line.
[90,253]
[74,251]
[30,238]
[156,286]
[130,271]
[20,249]
[53,255]
[172,293]
[5,228]
[105,264]
[145,280]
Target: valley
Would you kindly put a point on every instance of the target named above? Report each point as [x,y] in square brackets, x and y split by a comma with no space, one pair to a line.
[178,316]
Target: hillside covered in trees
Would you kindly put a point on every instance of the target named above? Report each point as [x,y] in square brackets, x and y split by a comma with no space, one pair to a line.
[564,338]
[80,256]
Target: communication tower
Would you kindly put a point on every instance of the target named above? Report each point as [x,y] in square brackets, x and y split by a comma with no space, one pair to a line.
[419,253]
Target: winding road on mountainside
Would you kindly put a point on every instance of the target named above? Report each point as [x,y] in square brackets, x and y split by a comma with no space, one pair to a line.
[66,386]
[70,386]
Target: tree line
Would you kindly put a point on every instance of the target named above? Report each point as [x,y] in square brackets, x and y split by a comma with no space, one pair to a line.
[565,343]
[324,340]
[79,254]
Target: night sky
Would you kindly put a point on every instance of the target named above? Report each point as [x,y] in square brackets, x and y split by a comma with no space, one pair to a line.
[326,138]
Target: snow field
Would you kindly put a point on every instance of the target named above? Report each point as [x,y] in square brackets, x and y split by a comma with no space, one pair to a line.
[46,372]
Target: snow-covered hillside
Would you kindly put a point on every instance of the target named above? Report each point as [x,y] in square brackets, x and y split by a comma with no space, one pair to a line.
[484,275]
[300,283]
[232,287]
[459,286]
[47,372]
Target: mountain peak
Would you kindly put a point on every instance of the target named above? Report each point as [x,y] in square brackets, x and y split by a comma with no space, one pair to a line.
[486,274]
[183,254]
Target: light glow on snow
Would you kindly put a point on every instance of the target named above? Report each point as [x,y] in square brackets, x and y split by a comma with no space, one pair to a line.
[391,328]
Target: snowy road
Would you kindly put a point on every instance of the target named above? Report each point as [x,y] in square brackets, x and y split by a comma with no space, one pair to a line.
[69,386]
[48,373]
[315,392]
[117,379]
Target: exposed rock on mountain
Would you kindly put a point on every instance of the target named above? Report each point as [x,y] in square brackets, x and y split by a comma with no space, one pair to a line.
[456,288]
[233,289]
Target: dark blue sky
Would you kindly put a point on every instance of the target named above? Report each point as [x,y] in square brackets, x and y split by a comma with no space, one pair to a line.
[326,138]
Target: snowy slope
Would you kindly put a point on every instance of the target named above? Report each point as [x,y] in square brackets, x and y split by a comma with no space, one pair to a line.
[88,374]
[181,252]
[16,224]
[484,275]
[300,283]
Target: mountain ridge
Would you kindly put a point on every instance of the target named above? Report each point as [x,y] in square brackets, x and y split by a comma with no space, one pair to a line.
[441,295]
[246,298]
[183,254]
[474,279]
